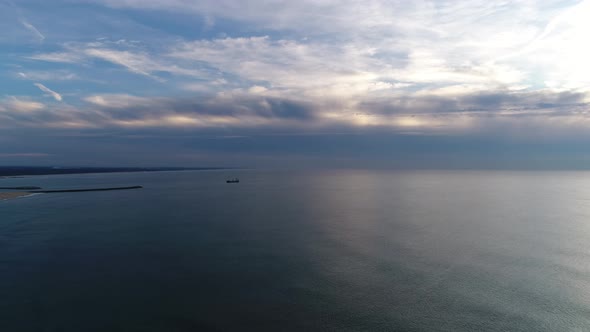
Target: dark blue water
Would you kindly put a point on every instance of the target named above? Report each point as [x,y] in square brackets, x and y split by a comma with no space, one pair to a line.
[292,251]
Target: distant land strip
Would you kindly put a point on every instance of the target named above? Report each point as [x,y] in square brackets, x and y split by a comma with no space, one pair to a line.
[82,190]
[7,196]
[11,171]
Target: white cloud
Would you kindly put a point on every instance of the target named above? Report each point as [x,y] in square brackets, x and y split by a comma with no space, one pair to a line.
[121,53]
[62,57]
[430,42]
[352,49]
[136,63]
[50,92]
[341,55]
[118,100]
[19,105]
[58,75]
[33,30]
[256,89]
[286,65]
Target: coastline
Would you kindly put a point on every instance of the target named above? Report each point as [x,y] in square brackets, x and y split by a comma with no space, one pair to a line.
[13,172]
[16,194]
[11,195]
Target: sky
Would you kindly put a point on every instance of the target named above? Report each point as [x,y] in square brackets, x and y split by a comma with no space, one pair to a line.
[326,83]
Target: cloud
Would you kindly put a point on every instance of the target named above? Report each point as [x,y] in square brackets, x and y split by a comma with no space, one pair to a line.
[17,105]
[47,90]
[136,63]
[121,53]
[274,67]
[63,57]
[20,113]
[57,75]
[557,113]
[282,64]
[118,100]
[352,48]
[237,111]
[428,42]
[32,29]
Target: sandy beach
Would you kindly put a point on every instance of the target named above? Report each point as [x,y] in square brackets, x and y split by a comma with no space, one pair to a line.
[11,195]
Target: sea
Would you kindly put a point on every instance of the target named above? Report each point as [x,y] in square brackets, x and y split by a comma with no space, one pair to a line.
[321,250]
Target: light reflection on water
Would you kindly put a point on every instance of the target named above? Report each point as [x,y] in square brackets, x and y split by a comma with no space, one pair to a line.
[340,250]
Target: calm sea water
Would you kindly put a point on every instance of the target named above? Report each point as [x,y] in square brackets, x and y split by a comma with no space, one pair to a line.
[281,251]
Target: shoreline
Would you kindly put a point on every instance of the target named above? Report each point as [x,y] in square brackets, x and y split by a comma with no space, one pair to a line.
[16,194]
[12,195]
